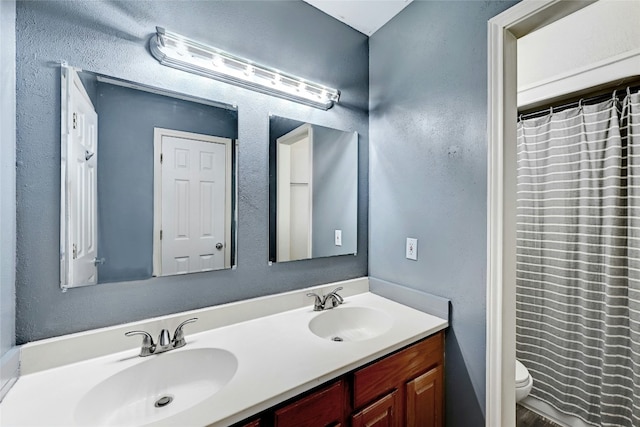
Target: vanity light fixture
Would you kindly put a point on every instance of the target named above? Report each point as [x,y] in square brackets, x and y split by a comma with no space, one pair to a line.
[180,52]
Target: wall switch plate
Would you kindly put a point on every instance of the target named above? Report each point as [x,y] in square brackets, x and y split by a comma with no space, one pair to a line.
[338,237]
[412,248]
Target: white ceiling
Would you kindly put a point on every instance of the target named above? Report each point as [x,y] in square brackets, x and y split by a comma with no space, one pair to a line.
[366,16]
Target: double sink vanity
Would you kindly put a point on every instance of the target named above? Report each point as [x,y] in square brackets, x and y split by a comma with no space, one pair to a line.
[267,361]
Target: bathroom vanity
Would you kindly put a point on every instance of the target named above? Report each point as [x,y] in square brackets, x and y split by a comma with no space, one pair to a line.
[269,361]
[402,389]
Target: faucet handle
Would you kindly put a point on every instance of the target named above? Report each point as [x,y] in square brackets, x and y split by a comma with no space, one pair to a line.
[334,298]
[178,335]
[335,292]
[148,346]
[318,305]
[339,288]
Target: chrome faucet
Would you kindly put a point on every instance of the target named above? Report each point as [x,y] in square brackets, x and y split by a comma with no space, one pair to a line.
[318,304]
[332,297]
[165,343]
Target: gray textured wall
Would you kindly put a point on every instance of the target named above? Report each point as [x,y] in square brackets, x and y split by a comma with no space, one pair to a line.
[428,149]
[7,175]
[126,121]
[112,38]
[335,192]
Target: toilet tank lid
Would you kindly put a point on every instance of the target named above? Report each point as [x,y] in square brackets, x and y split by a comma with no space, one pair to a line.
[522,374]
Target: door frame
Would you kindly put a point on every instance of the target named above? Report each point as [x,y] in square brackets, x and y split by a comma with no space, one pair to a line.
[158,133]
[503,32]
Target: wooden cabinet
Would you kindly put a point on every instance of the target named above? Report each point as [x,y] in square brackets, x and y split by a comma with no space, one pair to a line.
[404,389]
[323,408]
[424,399]
[415,374]
[382,413]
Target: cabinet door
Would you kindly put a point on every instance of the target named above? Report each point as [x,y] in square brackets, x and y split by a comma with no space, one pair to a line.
[383,413]
[424,399]
[323,408]
[394,371]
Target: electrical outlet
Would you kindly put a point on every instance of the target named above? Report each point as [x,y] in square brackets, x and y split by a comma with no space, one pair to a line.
[338,237]
[412,248]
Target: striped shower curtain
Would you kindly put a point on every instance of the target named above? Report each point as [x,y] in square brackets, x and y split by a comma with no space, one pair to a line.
[578,259]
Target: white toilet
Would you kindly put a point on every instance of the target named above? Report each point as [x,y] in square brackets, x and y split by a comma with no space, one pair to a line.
[524,382]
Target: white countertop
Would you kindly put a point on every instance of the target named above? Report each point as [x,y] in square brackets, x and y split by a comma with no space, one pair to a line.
[278,358]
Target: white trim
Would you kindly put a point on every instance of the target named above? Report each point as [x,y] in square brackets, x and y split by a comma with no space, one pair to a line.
[64,142]
[157,202]
[582,80]
[9,370]
[500,406]
[8,359]
[228,211]
[311,171]
[158,133]
[503,31]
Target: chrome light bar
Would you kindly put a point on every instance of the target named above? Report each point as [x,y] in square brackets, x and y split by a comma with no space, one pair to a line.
[180,52]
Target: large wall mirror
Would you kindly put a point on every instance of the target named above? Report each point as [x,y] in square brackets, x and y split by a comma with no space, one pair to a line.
[313,191]
[147,181]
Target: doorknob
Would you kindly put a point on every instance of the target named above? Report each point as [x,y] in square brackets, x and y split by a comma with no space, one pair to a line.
[218,246]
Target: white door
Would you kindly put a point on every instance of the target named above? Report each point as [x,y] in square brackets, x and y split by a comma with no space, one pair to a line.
[81,185]
[194,206]
[294,194]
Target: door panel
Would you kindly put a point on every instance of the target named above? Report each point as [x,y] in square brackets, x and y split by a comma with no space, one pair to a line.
[193,205]
[82,208]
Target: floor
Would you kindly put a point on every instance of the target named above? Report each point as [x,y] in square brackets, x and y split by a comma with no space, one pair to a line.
[527,418]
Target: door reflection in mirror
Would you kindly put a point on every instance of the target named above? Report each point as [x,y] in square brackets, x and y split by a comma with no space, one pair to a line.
[313,183]
[192,202]
[78,241]
[127,201]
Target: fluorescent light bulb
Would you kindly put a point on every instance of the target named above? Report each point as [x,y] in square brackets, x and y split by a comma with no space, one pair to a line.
[180,52]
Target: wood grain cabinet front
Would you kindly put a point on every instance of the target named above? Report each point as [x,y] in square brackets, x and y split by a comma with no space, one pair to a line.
[404,389]
[416,374]
[424,399]
[382,413]
[323,408]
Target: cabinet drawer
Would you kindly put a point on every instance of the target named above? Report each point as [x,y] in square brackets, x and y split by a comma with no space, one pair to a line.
[383,376]
[323,408]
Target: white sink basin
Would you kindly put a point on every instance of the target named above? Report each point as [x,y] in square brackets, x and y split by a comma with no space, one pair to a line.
[350,324]
[135,395]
